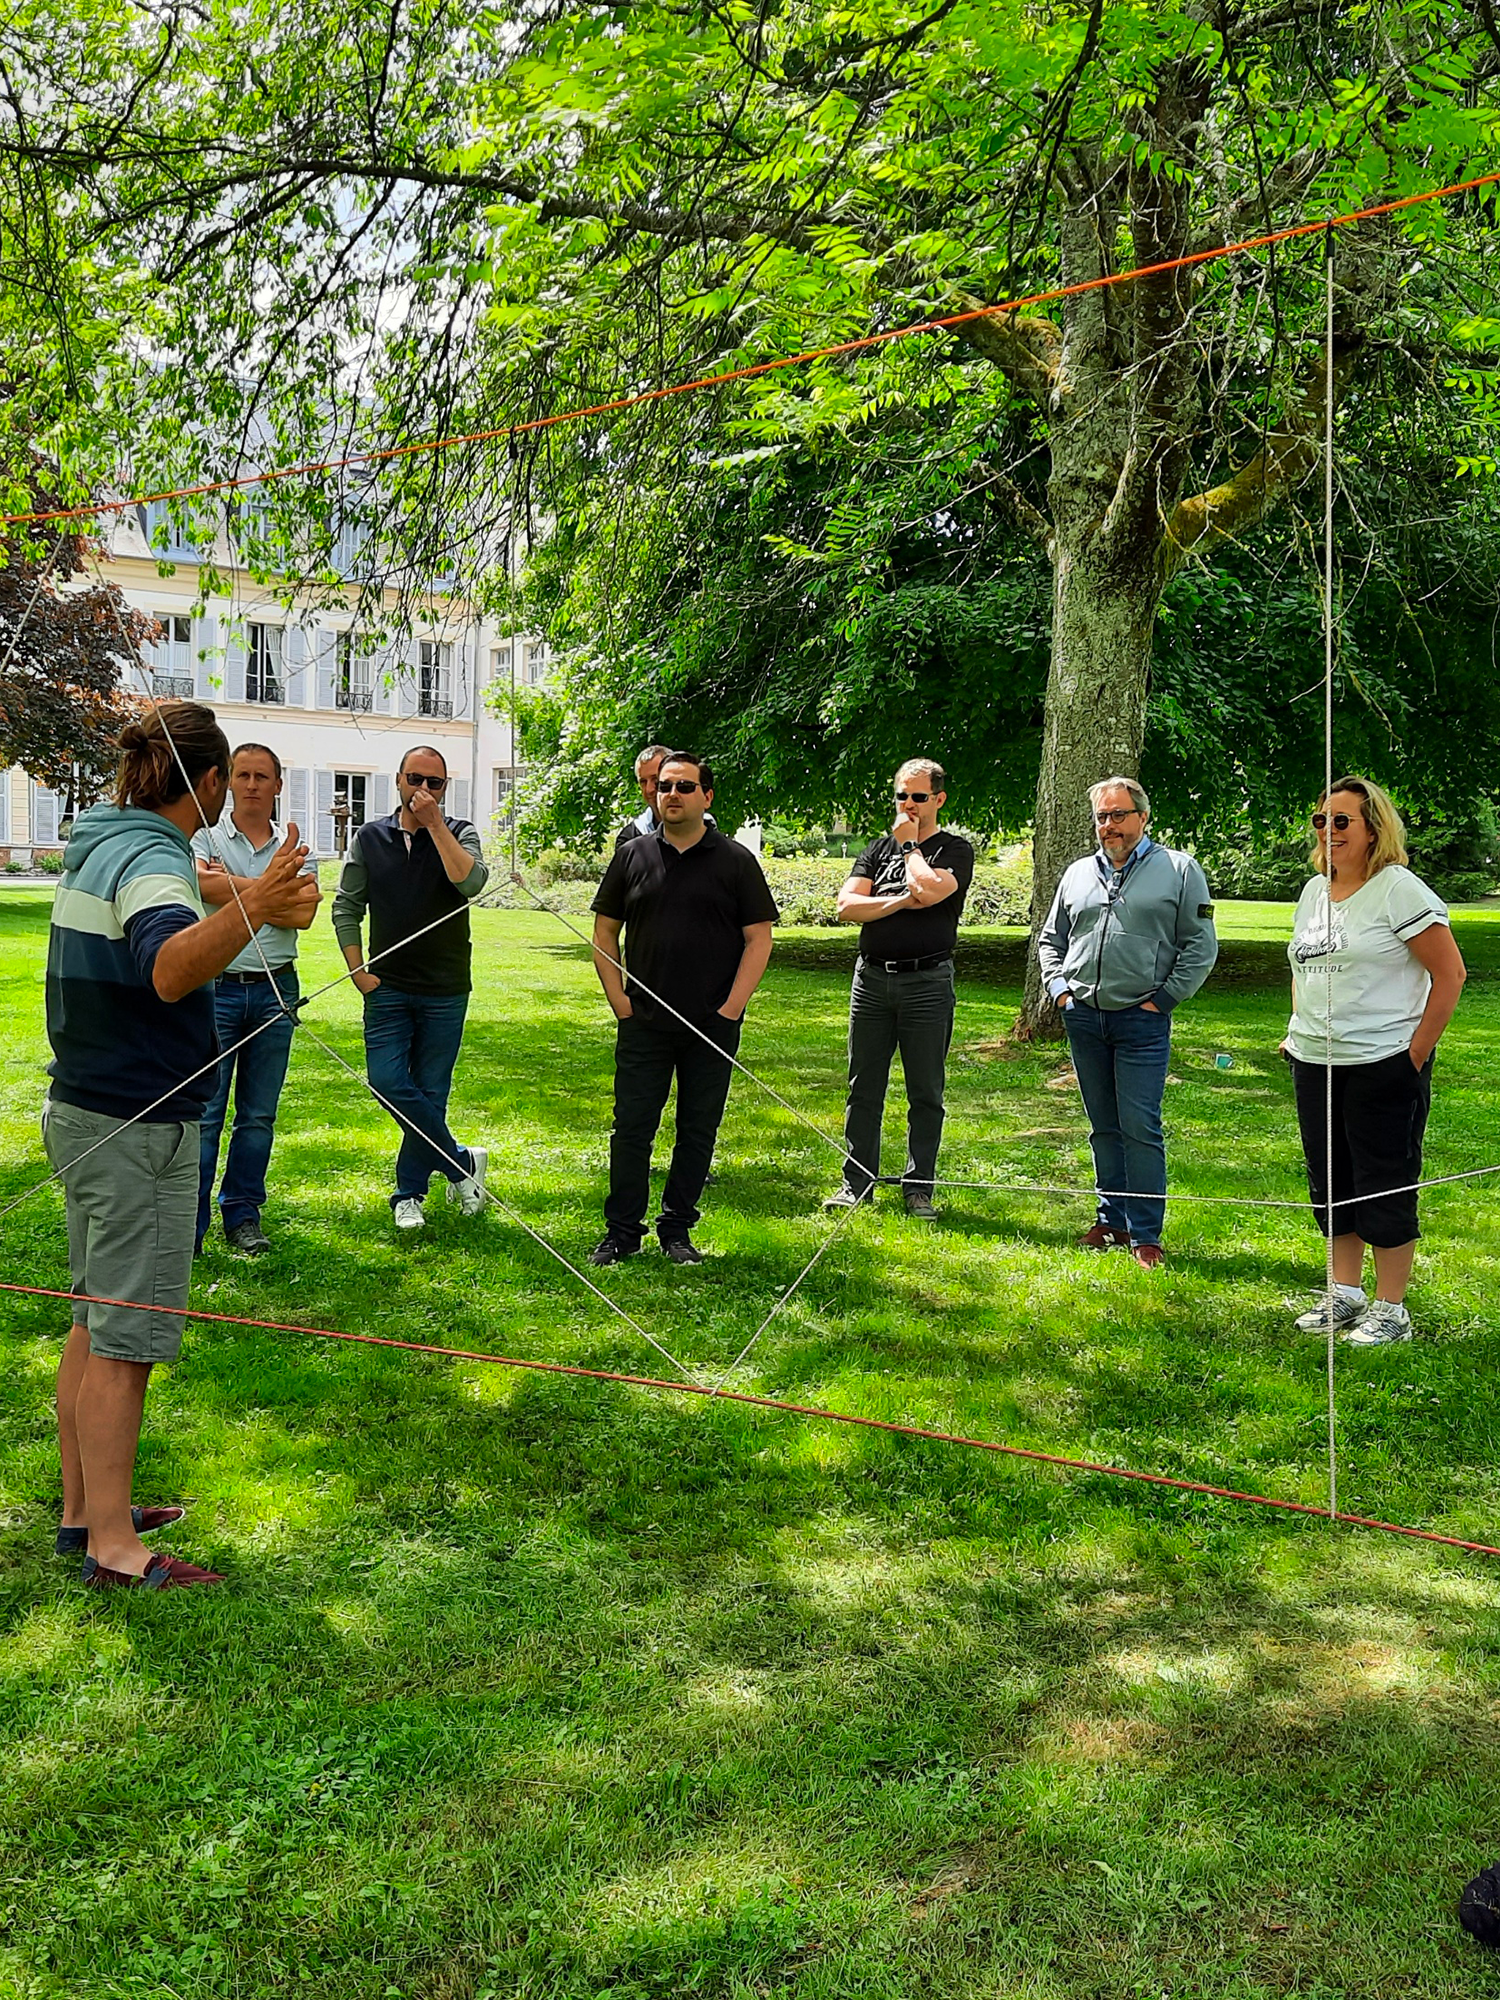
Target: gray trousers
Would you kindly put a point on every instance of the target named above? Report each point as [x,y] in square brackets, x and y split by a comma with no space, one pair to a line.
[912,1012]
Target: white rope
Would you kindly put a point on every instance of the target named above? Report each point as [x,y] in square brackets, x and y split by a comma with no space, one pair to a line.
[815,1259]
[505,1209]
[1329,1278]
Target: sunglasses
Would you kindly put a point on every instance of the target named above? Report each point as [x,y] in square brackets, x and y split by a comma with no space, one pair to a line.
[1117,817]
[666,786]
[917,798]
[422,778]
[1341,822]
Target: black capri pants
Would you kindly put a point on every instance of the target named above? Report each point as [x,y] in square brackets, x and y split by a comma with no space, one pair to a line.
[1379,1117]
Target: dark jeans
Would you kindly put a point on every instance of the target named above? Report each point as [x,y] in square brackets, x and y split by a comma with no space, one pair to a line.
[257,1073]
[912,1012]
[1379,1119]
[1120,1055]
[411,1048]
[647,1057]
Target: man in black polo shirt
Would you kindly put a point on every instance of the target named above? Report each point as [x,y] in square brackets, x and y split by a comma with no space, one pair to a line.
[410,869]
[907,893]
[697,915]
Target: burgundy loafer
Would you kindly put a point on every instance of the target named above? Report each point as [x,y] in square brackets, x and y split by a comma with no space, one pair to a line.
[161,1573]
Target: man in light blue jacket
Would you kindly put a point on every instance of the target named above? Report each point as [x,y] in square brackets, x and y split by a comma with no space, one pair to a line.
[1129,936]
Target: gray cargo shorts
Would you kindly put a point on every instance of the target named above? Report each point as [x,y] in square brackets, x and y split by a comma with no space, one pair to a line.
[132,1213]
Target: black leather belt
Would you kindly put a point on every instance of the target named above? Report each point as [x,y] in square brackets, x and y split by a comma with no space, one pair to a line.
[927,964]
[254,978]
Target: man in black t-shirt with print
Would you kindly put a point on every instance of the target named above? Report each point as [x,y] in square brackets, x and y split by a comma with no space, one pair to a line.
[906,893]
[696,913]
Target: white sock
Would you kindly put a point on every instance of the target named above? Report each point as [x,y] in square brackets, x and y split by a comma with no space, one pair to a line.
[1351,1292]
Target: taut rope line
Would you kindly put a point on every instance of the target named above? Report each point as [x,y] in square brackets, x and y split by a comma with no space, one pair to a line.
[383,453]
[808,1410]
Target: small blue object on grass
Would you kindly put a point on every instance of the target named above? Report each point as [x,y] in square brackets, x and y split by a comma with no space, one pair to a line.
[1223,1062]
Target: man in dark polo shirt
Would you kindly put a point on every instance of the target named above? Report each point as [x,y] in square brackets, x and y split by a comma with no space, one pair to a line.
[408,870]
[906,893]
[697,913]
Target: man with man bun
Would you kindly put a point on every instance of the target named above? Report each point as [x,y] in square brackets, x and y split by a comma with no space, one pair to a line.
[906,893]
[1130,935]
[131,962]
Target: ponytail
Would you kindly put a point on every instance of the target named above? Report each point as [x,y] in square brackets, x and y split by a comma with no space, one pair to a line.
[175,737]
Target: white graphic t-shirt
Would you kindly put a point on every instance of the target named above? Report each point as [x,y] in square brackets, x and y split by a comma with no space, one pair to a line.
[1377,987]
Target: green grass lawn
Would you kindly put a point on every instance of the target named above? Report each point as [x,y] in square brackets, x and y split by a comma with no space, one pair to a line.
[531,1686]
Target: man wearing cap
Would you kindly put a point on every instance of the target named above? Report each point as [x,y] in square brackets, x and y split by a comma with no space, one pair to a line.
[906,893]
[1130,935]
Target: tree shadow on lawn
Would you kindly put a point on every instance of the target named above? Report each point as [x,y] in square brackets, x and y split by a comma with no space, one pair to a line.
[491,1614]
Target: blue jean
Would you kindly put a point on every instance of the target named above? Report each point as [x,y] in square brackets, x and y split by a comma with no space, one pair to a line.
[1120,1056]
[257,1072]
[411,1049]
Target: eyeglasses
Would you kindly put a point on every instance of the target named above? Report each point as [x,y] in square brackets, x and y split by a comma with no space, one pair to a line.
[423,778]
[1117,817]
[666,786]
[1341,822]
[917,798]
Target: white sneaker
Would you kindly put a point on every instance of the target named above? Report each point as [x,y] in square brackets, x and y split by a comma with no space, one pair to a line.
[408,1214]
[1380,1323]
[469,1192]
[1345,1312]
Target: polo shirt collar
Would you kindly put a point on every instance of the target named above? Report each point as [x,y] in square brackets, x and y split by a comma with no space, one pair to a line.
[710,835]
[231,831]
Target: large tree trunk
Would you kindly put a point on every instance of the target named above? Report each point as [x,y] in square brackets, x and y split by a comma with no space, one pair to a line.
[1103,613]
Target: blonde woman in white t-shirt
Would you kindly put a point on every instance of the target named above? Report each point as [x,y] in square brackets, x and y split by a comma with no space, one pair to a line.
[1376,976]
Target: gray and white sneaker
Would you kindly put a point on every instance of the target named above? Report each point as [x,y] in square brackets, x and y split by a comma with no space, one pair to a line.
[407,1213]
[1345,1312]
[469,1192]
[1380,1323]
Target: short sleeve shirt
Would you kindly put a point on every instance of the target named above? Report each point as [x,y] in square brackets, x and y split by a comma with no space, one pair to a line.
[914,933]
[237,854]
[685,912]
[1351,960]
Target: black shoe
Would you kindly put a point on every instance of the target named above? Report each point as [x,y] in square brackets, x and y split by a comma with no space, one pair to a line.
[920,1205]
[679,1250]
[248,1238]
[613,1250]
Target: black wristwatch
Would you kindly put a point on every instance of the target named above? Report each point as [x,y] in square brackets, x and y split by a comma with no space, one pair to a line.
[908,845]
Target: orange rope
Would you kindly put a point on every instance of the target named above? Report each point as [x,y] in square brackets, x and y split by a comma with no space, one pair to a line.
[379,454]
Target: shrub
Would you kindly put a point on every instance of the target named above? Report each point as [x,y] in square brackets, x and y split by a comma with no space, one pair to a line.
[14,868]
[50,864]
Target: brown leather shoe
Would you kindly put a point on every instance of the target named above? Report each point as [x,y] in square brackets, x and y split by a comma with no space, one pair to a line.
[161,1573]
[1102,1237]
[1150,1256]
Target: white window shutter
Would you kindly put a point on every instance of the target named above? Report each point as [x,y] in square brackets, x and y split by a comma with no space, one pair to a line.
[294,803]
[294,650]
[5,777]
[234,664]
[43,817]
[324,844]
[460,791]
[408,682]
[327,676]
[207,667]
[378,793]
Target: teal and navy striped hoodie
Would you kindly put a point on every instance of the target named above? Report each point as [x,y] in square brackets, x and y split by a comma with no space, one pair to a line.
[128,884]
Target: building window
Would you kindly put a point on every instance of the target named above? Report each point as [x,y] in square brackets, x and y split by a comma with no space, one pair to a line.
[500,663]
[349,796]
[170,658]
[263,681]
[352,687]
[535,657]
[435,679]
[508,779]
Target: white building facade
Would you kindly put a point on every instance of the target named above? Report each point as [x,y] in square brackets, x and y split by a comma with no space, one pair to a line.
[336,706]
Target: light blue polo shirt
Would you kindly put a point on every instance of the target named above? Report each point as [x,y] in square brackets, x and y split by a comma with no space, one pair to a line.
[237,855]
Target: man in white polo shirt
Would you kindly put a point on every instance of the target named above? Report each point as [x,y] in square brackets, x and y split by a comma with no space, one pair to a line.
[259,985]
